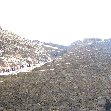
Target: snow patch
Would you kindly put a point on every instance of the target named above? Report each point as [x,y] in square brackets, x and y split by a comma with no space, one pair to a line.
[60,58]
[25,69]
[71,52]
[51,69]
[67,63]
[42,70]
[50,46]
[1,81]
[48,65]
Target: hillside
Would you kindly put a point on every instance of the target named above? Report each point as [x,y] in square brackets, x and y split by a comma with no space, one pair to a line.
[79,81]
[55,50]
[17,51]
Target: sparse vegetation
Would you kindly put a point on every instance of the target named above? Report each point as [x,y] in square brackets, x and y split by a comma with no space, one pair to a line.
[15,50]
[80,81]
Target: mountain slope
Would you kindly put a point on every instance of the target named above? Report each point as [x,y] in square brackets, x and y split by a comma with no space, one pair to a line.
[16,50]
[55,50]
[80,81]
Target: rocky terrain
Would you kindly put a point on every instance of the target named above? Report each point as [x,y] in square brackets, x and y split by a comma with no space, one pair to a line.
[16,51]
[79,81]
[54,50]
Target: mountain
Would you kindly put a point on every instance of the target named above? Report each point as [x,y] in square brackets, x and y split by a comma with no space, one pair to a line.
[79,81]
[55,50]
[16,51]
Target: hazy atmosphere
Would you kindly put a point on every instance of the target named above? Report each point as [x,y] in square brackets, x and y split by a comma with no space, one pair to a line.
[58,21]
[55,55]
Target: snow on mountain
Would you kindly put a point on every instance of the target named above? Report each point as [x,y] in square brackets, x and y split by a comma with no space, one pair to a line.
[78,81]
[55,50]
[15,50]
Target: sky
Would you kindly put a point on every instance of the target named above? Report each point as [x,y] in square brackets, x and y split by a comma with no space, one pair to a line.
[57,21]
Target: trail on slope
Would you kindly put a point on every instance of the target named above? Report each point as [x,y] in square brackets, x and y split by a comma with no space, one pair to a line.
[25,69]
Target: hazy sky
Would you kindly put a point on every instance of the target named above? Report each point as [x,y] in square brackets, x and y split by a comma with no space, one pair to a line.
[58,21]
